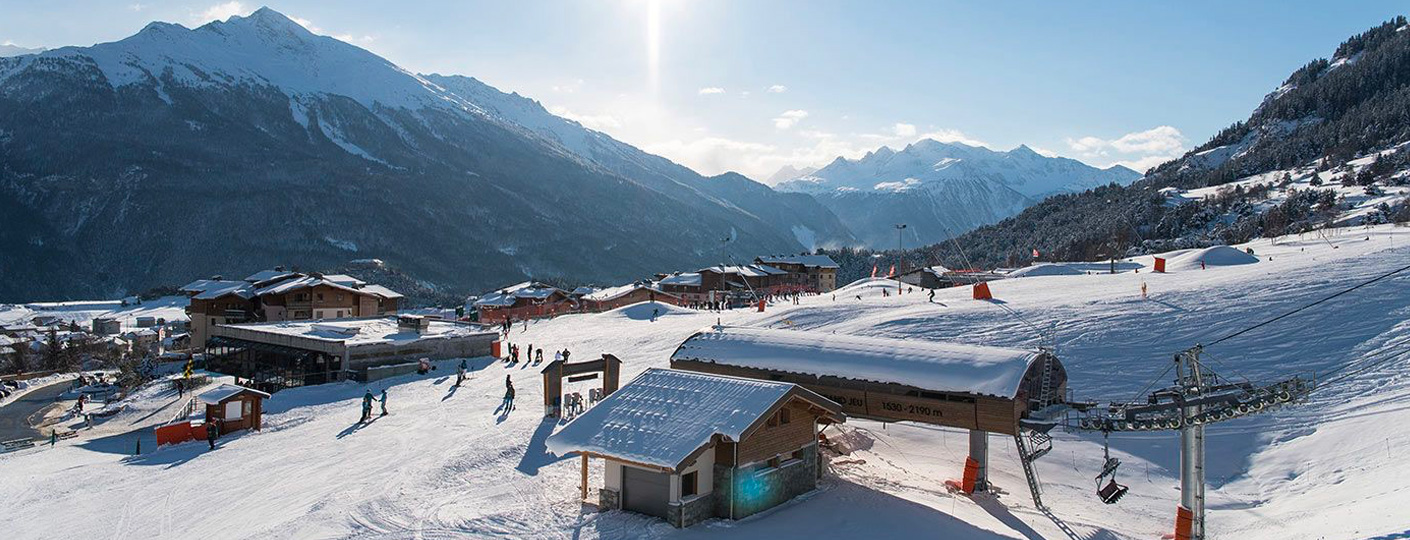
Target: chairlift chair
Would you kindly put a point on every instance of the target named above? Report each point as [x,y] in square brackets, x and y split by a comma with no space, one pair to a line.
[1112,491]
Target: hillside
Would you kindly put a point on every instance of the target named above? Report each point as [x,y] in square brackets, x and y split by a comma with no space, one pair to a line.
[446,464]
[243,144]
[1342,120]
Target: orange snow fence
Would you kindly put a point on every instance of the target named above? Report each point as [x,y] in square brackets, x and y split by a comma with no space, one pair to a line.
[981,292]
[1184,522]
[761,306]
[496,350]
[1160,265]
[971,475]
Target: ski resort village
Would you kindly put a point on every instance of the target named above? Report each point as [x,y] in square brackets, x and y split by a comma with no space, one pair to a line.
[260,282]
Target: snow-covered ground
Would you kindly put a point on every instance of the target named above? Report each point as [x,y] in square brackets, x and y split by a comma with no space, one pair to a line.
[446,464]
[171,308]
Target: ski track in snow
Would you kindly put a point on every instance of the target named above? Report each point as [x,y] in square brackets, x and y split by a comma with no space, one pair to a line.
[445,464]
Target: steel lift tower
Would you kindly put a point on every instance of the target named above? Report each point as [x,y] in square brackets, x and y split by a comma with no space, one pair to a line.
[1198,396]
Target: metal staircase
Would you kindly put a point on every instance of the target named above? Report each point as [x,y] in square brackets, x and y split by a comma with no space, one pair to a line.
[1030,448]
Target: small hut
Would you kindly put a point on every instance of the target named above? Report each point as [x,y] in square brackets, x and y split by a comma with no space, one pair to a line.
[233,407]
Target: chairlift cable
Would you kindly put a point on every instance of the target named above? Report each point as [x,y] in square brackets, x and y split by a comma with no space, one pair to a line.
[1305,307]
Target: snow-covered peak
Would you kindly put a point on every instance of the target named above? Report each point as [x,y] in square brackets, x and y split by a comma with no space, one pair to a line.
[264,48]
[933,162]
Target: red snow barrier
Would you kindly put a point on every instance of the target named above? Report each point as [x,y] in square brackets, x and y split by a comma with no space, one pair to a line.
[496,349]
[1184,522]
[981,292]
[1160,264]
[179,432]
[761,306]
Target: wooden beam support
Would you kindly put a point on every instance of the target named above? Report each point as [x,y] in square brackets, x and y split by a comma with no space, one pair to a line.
[585,476]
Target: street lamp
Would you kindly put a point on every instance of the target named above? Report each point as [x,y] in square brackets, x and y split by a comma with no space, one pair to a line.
[899,227]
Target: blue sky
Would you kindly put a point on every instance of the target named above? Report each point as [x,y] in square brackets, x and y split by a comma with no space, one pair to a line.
[754,85]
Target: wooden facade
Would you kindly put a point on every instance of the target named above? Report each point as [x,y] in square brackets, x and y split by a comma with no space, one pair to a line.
[899,402]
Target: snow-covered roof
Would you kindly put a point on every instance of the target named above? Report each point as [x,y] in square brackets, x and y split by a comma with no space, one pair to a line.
[664,416]
[220,393]
[929,365]
[381,291]
[612,293]
[208,289]
[266,275]
[509,295]
[746,270]
[686,279]
[362,331]
[344,280]
[584,290]
[819,261]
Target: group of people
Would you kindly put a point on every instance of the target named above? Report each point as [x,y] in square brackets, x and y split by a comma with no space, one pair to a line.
[532,354]
[367,400]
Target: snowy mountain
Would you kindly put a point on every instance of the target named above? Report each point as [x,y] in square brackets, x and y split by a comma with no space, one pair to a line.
[241,144]
[788,172]
[16,50]
[940,189]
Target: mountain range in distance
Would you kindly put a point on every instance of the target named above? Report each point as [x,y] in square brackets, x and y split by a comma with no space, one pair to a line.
[242,144]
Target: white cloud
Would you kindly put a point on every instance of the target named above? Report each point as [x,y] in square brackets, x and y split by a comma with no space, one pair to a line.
[711,90]
[904,130]
[137,7]
[778,89]
[570,87]
[1139,150]
[788,119]
[598,122]
[222,11]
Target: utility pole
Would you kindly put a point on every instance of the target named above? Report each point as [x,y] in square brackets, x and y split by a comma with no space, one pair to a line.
[1187,370]
[899,256]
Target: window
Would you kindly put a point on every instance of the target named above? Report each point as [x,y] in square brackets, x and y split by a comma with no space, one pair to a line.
[338,297]
[797,454]
[785,416]
[212,321]
[690,483]
[773,462]
[773,420]
[340,314]
[320,297]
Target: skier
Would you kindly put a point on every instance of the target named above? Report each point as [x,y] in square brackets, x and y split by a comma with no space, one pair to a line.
[566,354]
[384,402]
[557,356]
[366,406]
[654,313]
[932,296]
[508,394]
[538,356]
[212,431]
[1143,290]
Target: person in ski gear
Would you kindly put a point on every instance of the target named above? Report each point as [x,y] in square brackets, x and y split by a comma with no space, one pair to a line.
[384,402]
[565,354]
[557,356]
[367,406]
[654,313]
[932,295]
[212,431]
[538,356]
[508,394]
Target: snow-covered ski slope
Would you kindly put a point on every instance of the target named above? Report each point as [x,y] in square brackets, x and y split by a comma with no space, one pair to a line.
[445,464]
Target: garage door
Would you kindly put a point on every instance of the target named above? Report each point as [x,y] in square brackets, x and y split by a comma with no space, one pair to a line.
[645,491]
